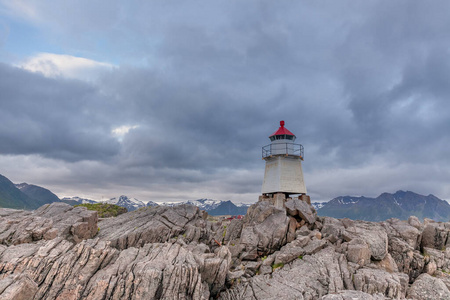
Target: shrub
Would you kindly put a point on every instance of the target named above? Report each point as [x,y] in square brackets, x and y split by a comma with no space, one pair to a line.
[105,210]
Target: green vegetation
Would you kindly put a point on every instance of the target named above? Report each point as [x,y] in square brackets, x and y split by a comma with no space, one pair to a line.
[276,266]
[105,210]
[300,257]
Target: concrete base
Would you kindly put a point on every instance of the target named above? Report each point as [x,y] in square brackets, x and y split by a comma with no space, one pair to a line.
[278,199]
[305,198]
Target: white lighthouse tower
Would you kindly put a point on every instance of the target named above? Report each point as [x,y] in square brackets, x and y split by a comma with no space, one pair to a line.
[283,175]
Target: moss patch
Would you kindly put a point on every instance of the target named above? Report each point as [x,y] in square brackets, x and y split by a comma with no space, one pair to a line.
[276,266]
[105,210]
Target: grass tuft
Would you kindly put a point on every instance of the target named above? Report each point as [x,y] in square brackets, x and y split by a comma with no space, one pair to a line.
[105,210]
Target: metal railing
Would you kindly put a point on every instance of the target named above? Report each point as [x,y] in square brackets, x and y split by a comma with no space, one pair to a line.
[283,149]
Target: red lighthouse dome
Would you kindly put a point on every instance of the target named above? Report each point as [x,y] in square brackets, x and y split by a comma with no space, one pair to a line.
[282,133]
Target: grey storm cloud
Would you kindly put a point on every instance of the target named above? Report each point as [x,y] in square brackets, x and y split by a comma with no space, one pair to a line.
[53,118]
[358,83]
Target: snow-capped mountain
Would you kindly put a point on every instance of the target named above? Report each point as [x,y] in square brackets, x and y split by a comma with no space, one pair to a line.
[129,203]
[318,205]
[203,204]
[399,205]
[242,204]
[78,199]
[214,207]
[152,204]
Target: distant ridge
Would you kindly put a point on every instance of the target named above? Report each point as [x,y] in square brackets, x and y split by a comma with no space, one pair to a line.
[77,200]
[399,205]
[129,203]
[39,194]
[12,197]
[228,208]
[215,207]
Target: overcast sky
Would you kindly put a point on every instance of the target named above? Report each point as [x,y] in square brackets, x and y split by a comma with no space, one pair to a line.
[173,100]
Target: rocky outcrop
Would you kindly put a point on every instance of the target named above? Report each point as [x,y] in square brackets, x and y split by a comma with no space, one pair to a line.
[265,229]
[311,277]
[428,287]
[61,252]
[155,225]
[47,222]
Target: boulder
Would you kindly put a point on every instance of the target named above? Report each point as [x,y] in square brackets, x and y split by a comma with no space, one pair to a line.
[403,230]
[358,252]
[265,230]
[305,211]
[387,264]
[375,281]
[435,235]
[373,234]
[426,287]
[332,227]
[415,222]
[47,222]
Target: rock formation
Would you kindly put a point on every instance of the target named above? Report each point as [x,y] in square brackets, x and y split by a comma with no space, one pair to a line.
[61,252]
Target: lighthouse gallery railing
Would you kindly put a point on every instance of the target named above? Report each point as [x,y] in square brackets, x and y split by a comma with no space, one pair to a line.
[283,149]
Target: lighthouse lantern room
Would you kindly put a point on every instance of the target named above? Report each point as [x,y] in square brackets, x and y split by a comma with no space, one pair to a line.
[283,175]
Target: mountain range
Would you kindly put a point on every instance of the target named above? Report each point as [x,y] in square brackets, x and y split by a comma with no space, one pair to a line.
[213,207]
[399,205]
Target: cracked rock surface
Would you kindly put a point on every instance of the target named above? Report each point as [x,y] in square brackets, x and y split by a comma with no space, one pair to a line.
[61,252]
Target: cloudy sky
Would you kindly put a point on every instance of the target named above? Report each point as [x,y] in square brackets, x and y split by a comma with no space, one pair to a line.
[173,100]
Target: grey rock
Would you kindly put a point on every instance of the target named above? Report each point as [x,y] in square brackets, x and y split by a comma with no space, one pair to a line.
[373,234]
[18,287]
[403,230]
[387,264]
[408,260]
[374,281]
[444,277]
[320,274]
[352,295]
[47,222]
[235,275]
[358,252]
[435,235]
[154,225]
[426,287]
[303,231]
[296,207]
[333,227]
[265,270]
[265,230]
[57,252]
[415,222]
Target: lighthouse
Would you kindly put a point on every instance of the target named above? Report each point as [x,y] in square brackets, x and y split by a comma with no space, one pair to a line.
[283,175]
